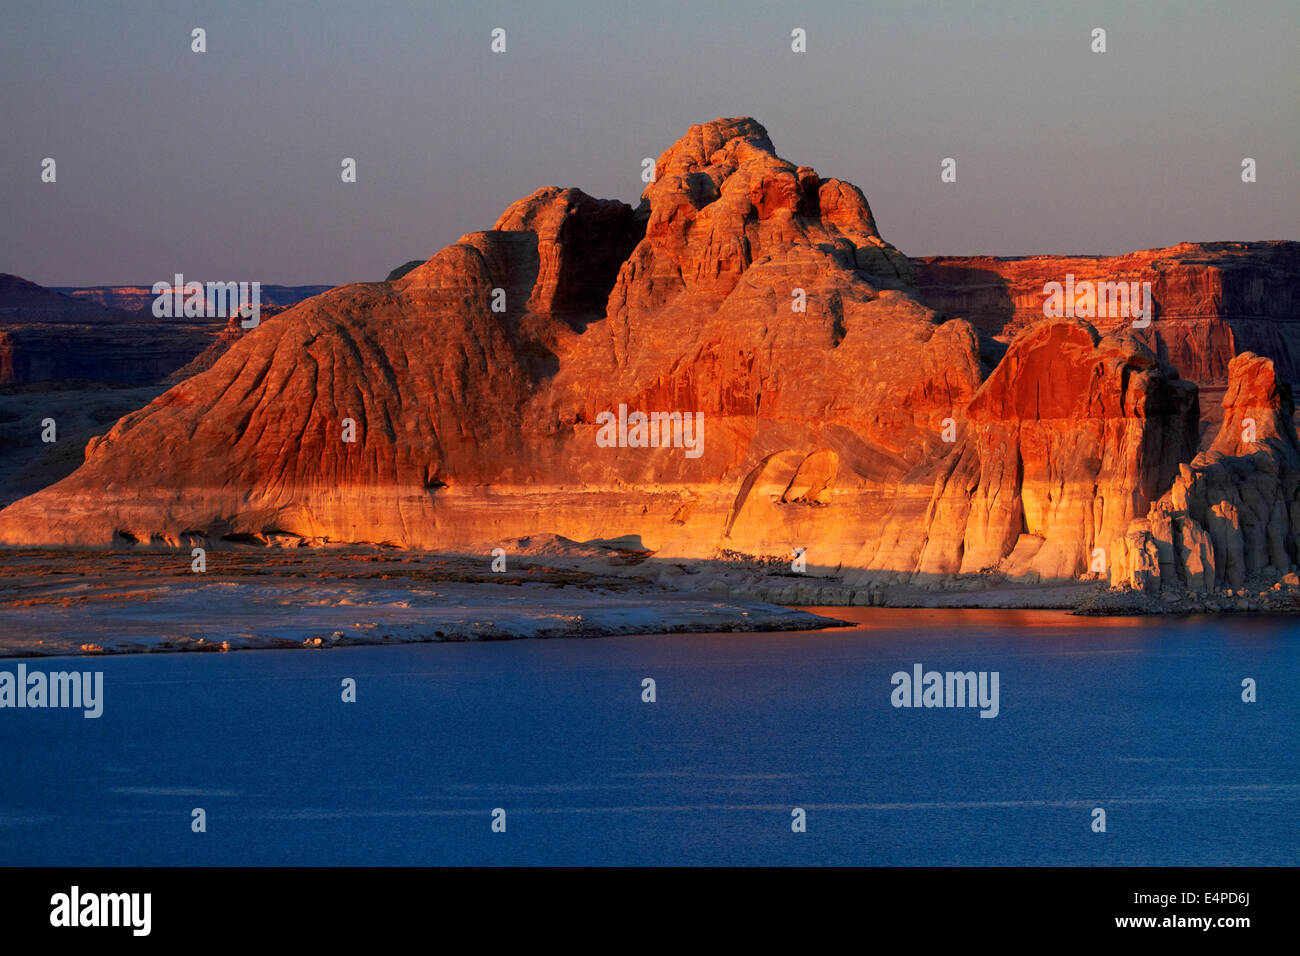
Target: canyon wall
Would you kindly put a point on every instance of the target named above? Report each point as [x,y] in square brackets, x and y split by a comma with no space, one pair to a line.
[1231,517]
[1211,300]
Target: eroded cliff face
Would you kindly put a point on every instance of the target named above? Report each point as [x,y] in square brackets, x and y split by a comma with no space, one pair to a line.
[796,394]
[1071,437]
[1211,300]
[1231,518]
[746,291]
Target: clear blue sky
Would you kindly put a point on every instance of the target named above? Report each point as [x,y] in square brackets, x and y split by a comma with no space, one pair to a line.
[225,165]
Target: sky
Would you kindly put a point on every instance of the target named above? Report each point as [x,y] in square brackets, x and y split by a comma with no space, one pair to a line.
[226,165]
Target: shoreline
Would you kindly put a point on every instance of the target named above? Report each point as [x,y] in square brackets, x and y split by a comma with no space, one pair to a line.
[62,604]
[92,603]
[799,620]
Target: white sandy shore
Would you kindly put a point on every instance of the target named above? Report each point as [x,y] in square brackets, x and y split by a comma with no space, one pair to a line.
[59,602]
[122,608]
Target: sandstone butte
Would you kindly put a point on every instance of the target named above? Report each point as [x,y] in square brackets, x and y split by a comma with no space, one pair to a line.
[823,429]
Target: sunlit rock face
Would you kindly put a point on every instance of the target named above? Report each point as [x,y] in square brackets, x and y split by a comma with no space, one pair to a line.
[740,363]
[1232,515]
[1211,300]
[1071,437]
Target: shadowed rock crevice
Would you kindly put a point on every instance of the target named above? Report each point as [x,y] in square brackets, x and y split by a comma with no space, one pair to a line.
[1232,515]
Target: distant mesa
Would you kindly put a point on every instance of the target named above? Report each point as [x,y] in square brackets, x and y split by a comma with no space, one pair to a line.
[108,334]
[46,336]
[23,302]
[902,420]
[140,298]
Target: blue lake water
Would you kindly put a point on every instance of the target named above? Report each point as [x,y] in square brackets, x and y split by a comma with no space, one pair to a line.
[1141,717]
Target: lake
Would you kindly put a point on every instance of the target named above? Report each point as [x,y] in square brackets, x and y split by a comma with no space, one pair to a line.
[1140,717]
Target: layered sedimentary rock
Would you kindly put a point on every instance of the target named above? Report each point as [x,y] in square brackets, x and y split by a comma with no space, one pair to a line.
[1211,300]
[1071,437]
[745,290]
[218,345]
[1232,515]
[739,364]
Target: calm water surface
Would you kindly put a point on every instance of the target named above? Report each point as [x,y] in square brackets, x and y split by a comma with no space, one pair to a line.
[1143,718]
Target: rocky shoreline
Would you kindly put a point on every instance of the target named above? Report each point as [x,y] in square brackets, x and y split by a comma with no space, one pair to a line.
[67,603]
[56,602]
[1089,598]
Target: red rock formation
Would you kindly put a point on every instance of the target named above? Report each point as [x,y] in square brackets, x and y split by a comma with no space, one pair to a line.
[747,296]
[1070,438]
[1232,516]
[219,345]
[1211,300]
[473,425]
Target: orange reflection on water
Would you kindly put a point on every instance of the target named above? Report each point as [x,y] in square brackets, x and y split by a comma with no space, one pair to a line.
[944,618]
